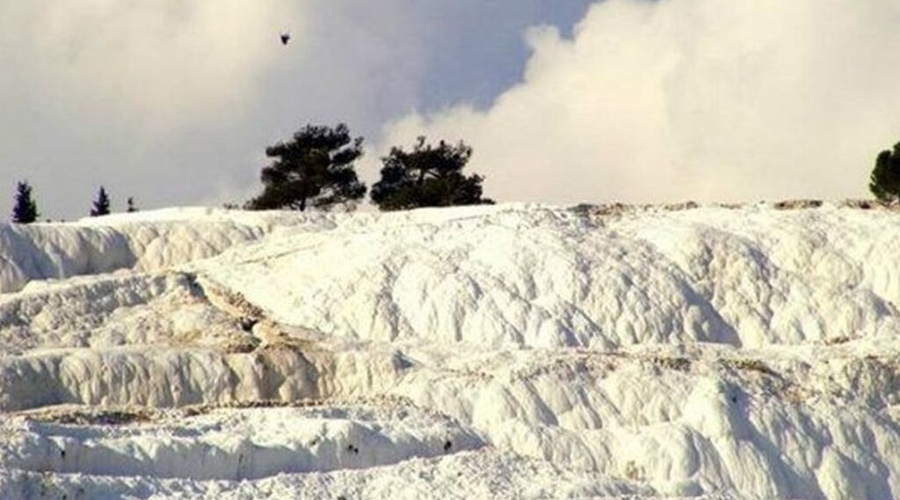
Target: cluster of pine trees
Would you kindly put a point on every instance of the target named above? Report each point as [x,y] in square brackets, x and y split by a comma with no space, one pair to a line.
[25,209]
[316,168]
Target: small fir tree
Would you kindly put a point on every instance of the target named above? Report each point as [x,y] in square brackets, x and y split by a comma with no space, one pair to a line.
[885,179]
[427,176]
[25,209]
[101,204]
[131,206]
[315,168]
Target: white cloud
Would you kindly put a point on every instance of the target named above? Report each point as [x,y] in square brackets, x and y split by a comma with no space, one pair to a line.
[174,101]
[699,99]
[158,64]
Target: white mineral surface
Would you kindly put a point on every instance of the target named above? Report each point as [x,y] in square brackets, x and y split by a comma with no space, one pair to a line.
[510,351]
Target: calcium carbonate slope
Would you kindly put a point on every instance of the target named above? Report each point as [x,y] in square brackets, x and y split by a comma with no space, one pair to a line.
[476,352]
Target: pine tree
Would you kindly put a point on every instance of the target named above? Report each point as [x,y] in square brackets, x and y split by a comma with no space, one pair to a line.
[25,209]
[427,177]
[101,204]
[315,168]
[131,205]
[885,179]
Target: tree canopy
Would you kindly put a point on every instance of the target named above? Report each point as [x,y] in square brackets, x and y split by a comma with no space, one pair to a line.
[427,176]
[885,179]
[25,209]
[101,204]
[315,168]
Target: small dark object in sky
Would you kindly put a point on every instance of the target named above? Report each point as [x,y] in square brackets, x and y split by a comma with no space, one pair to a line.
[285,38]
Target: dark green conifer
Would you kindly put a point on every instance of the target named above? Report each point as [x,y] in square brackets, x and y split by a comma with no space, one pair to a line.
[25,209]
[427,176]
[101,204]
[885,179]
[315,168]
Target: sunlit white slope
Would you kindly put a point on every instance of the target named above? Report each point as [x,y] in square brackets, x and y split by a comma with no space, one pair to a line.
[542,277]
[143,241]
[597,352]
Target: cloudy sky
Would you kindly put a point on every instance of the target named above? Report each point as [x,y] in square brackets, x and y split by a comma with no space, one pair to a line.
[174,101]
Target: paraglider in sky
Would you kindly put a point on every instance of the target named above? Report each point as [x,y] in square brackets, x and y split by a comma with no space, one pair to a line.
[285,37]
